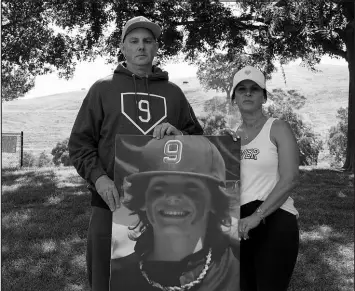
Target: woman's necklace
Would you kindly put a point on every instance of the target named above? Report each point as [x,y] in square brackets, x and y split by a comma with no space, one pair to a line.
[182,287]
[246,136]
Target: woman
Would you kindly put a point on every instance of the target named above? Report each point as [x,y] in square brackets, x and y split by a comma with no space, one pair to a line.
[268,226]
[181,202]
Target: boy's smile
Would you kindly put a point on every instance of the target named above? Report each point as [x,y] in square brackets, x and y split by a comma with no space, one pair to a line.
[177,201]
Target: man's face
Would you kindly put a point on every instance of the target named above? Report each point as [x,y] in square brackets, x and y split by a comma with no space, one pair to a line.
[177,204]
[139,47]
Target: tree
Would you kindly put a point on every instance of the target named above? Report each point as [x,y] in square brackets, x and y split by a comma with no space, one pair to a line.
[337,136]
[310,29]
[217,71]
[31,47]
[15,83]
[287,30]
[38,36]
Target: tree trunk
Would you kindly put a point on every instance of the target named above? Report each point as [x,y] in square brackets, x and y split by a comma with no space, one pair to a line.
[350,48]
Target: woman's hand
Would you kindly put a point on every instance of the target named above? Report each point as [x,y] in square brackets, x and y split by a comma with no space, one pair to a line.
[247,224]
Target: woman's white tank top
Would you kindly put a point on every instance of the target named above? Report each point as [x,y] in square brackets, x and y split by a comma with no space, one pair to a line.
[259,169]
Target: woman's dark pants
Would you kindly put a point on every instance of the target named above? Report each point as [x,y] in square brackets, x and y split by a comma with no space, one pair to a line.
[268,257]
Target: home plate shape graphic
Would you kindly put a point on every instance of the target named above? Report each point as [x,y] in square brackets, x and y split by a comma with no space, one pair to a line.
[144,111]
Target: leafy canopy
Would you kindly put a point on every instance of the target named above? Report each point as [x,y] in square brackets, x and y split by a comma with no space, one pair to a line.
[43,35]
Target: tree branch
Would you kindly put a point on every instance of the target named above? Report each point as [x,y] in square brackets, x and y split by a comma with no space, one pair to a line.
[329,47]
[241,25]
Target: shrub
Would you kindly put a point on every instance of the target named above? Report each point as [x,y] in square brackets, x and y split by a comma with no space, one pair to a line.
[60,153]
[65,160]
[213,124]
[217,117]
[290,97]
[29,160]
[308,142]
[44,160]
[220,106]
[338,136]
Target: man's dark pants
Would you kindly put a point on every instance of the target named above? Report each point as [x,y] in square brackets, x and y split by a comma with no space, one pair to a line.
[98,254]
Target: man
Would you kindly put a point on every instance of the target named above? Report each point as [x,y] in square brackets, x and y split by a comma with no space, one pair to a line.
[136,99]
[180,197]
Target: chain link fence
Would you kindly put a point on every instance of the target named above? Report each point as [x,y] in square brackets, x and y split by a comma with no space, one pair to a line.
[12,149]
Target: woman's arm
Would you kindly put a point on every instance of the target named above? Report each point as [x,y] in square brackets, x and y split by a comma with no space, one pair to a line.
[288,155]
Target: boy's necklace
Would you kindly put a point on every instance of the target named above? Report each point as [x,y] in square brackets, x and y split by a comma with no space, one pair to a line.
[183,287]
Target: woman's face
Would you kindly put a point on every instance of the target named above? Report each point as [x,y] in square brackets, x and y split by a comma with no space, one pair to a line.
[249,96]
[177,204]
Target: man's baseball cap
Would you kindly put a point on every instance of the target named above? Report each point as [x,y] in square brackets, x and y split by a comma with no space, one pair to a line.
[140,22]
[249,73]
[188,155]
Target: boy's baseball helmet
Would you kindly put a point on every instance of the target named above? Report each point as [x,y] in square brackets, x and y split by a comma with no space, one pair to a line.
[190,155]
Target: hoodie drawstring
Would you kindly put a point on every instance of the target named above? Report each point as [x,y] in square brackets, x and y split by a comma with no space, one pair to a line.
[147,88]
[135,95]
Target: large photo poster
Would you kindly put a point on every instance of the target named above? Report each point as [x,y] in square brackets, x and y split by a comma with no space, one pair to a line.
[179,212]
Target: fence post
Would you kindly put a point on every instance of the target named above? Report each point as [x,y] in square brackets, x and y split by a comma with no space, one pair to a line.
[21,148]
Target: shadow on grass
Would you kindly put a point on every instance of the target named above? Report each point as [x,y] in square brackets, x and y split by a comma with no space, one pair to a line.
[44,228]
[325,201]
[45,214]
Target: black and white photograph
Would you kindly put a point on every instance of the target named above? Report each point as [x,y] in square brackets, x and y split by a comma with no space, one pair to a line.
[179,145]
[177,223]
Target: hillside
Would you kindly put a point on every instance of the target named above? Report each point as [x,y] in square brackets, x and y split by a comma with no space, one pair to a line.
[47,120]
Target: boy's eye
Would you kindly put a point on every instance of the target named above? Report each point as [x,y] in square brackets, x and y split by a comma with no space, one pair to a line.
[192,191]
[157,191]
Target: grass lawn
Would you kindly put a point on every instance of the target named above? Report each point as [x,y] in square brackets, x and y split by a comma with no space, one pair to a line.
[45,214]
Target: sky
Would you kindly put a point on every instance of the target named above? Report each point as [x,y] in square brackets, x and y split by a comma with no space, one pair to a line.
[89,72]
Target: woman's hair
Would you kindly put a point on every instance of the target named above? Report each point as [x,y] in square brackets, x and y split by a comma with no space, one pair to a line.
[221,201]
[233,94]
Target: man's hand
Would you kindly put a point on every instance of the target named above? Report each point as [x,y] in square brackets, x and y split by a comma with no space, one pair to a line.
[165,129]
[108,191]
[230,132]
